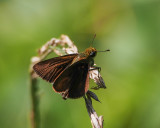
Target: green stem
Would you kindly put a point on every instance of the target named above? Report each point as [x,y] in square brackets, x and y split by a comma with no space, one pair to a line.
[35,113]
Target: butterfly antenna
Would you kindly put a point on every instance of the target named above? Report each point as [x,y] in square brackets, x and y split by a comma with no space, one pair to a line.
[93,40]
[104,50]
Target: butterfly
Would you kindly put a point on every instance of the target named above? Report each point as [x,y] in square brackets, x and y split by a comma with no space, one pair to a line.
[69,74]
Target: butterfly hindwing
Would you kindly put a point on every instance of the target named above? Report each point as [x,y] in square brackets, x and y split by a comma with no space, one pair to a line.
[51,68]
[75,79]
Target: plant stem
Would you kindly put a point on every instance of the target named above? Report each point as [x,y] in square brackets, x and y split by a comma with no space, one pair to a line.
[35,113]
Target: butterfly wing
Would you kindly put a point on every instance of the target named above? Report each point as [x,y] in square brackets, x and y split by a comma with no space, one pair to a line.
[75,79]
[51,68]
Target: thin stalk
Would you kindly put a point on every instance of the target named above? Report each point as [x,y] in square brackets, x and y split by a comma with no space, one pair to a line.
[35,113]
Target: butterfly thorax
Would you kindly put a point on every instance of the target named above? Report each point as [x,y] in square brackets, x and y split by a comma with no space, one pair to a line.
[86,56]
[90,52]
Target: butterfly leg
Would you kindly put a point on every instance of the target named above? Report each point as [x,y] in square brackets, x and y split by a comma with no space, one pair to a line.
[95,68]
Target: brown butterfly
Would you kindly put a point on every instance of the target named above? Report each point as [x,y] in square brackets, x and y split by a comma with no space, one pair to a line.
[69,73]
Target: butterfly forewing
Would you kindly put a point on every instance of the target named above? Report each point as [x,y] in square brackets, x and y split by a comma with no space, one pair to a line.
[50,69]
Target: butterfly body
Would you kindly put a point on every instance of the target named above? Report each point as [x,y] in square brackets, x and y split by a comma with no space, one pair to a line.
[69,73]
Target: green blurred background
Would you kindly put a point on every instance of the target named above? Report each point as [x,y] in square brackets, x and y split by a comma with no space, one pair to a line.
[129,28]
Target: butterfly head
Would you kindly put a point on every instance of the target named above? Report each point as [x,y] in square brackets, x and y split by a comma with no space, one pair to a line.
[91,52]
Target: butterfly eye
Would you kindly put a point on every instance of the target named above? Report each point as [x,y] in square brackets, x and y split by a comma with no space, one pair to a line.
[93,53]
